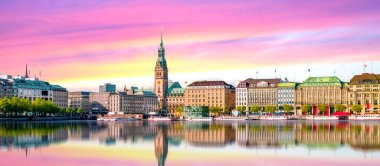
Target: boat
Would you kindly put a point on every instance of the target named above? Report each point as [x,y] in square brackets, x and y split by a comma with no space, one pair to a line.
[200,119]
[106,119]
[230,118]
[322,118]
[272,118]
[364,117]
[162,118]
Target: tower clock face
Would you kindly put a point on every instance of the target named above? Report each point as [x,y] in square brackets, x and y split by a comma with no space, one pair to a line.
[158,82]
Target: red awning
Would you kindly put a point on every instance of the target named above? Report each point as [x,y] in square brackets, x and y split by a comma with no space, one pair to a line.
[341,114]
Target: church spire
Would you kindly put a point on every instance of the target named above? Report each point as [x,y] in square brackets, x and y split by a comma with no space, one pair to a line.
[26,71]
[162,43]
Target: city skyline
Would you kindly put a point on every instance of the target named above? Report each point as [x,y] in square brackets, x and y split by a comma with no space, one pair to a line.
[115,42]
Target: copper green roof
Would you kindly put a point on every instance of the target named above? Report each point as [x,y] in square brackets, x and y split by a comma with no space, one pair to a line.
[30,84]
[175,89]
[323,81]
[287,84]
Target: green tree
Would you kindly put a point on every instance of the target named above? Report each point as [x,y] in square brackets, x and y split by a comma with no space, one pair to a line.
[179,110]
[270,108]
[356,108]
[255,108]
[306,109]
[340,107]
[322,109]
[287,108]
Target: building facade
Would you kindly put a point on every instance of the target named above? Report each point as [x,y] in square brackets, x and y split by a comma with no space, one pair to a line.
[100,102]
[258,92]
[211,93]
[364,90]
[321,90]
[161,77]
[6,89]
[286,94]
[60,96]
[242,95]
[79,100]
[133,101]
[175,97]
[107,87]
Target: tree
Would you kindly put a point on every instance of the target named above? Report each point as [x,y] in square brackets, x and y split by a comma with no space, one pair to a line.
[241,108]
[356,108]
[340,107]
[322,109]
[306,109]
[287,108]
[255,108]
[179,110]
[270,108]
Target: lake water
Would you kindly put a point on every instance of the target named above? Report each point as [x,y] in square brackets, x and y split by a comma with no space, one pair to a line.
[95,143]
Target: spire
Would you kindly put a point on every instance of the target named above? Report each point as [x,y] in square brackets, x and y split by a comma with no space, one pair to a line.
[26,71]
[162,43]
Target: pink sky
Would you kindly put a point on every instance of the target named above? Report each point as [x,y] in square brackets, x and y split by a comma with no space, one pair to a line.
[80,44]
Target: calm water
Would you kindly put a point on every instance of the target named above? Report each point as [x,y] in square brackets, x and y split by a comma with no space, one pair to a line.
[189,143]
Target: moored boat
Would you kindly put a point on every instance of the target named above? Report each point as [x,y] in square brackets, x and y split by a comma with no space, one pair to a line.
[231,118]
[364,117]
[322,118]
[273,118]
[162,118]
[200,119]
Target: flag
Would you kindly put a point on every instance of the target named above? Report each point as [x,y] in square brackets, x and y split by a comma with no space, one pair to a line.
[308,70]
[365,65]
[275,70]
[257,72]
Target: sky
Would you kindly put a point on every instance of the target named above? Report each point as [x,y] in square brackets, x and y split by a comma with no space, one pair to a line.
[81,44]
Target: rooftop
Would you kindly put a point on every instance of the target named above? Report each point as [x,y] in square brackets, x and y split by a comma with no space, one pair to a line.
[209,83]
[366,78]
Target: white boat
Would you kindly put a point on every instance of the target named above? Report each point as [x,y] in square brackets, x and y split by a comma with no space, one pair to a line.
[364,117]
[106,119]
[272,118]
[322,118]
[159,118]
[200,119]
[230,118]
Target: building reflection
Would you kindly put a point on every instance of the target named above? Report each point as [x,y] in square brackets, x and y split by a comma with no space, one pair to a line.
[360,136]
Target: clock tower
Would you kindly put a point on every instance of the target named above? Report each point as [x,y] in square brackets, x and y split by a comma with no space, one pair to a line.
[161,76]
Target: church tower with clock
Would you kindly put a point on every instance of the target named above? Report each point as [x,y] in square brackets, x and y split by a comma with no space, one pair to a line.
[161,77]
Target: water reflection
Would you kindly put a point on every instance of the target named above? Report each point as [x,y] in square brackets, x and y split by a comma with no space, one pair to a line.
[359,136]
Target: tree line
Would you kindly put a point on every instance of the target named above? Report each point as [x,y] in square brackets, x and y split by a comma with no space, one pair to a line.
[39,107]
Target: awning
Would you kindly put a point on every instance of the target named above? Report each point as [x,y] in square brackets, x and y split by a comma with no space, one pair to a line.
[341,114]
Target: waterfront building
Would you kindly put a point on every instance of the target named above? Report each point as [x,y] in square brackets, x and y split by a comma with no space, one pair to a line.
[242,95]
[260,92]
[100,102]
[286,93]
[60,96]
[196,111]
[107,87]
[79,100]
[161,77]
[211,93]
[115,103]
[364,90]
[321,90]
[175,97]
[5,87]
[133,101]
